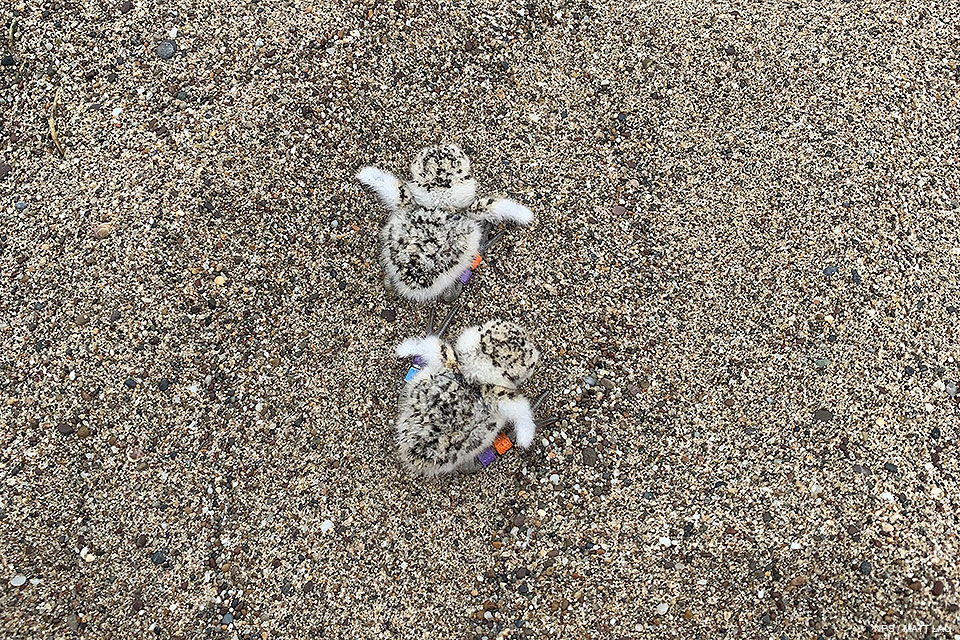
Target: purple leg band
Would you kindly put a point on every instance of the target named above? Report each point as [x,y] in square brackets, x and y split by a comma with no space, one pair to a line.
[487,456]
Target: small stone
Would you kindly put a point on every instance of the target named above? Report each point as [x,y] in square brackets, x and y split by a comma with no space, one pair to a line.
[554,478]
[126,6]
[829,271]
[137,605]
[730,50]
[83,431]
[166,49]
[607,384]
[8,61]
[73,622]
[158,557]
[390,315]
[821,364]
[228,617]
[130,383]
[219,281]
[935,433]
[102,231]
[915,586]
[19,581]
[937,587]
[522,573]
[164,384]
[889,466]
[65,428]
[81,320]
[619,210]
[20,206]
[326,526]
[308,587]
[951,389]
[856,276]
[141,541]
[822,415]
[662,608]
[589,456]
[815,489]
[866,567]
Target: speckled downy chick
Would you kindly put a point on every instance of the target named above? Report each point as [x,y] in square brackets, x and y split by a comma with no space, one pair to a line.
[436,222]
[464,396]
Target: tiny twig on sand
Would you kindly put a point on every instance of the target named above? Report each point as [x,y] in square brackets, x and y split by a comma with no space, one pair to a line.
[53,125]
[10,34]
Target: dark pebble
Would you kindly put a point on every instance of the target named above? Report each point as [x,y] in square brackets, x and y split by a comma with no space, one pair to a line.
[141,540]
[829,271]
[114,315]
[908,371]
[138,605]
[164,384]
[390,315]
[522,573]
[619,210]
[822,415]
[126,6]
[730,50]
[130,383]
[166,49]
[938,588]
[8,61]
[65,428]
[589,456]
[935,433]
[308,587]
[889,466]
[158,557]
[856,276]
[227,618]
[866,567]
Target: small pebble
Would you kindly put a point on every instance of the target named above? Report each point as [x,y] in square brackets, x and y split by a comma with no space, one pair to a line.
[20,206]
[866,567]
[326,526]
[102,231]
[18,581]
[166,49]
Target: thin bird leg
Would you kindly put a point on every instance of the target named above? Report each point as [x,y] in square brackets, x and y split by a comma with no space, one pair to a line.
[428,327]
[492,241]
[447,320]
[536,403]
[546,422]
